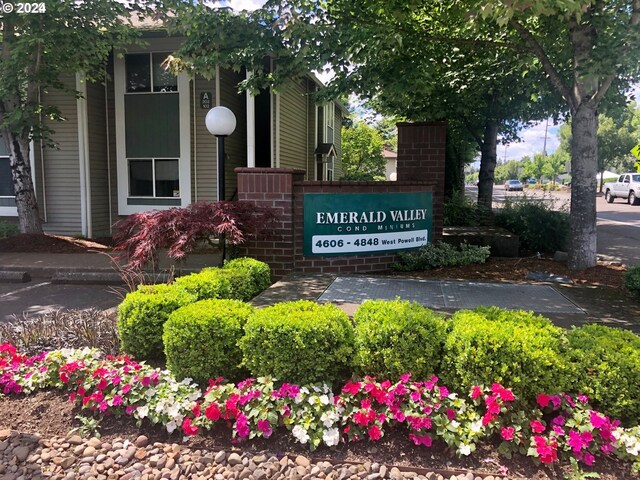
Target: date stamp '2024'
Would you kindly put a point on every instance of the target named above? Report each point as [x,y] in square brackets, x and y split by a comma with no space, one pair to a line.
[22,7]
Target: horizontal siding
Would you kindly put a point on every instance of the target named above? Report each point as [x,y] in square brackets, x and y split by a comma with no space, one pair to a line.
[236,143]
[311,134]
[98,167]
[61,166]
[293,125]
[204,146]
[337,141]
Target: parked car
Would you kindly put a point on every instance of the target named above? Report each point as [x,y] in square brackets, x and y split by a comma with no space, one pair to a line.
[513,185]
[627,186]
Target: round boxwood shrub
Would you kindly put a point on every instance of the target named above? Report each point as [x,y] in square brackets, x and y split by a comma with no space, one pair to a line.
[141,316]
[397,337]
[632,280]
[521,355]
[300,342]
[606,364]
[240,283]
[200,340]
[260,272]
[208,284]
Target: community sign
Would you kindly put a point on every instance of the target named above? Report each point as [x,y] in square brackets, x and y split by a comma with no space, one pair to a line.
[352,223]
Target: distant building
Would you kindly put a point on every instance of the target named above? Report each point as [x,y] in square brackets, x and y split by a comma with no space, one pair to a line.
[390,168]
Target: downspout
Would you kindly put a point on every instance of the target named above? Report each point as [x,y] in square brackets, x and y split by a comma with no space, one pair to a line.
[108,133]
[83,156]
[277,130]
[44,187]
[306,107]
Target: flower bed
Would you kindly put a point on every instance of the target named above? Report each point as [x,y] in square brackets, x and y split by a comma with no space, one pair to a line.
[560,428]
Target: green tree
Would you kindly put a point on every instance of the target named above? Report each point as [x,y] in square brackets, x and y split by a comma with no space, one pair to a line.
[362,153]
[37,50]
[506,171]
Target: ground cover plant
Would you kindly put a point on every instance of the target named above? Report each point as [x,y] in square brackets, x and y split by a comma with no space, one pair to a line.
[435,255]
[632,280]
[558,428]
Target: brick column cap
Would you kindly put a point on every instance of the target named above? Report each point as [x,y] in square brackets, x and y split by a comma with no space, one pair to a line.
[272,171]
[365,183]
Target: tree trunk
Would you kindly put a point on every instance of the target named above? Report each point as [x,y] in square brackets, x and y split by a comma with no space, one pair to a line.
[584,166]
[26,203]
[488,158]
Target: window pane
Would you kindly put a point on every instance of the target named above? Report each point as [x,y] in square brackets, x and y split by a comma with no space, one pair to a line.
[138,72]
[3,148]
[140,178]
[163,81]
[152,126]
[167,178]
[6,183]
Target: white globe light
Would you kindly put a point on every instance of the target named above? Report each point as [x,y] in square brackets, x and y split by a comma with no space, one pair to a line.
[220,121]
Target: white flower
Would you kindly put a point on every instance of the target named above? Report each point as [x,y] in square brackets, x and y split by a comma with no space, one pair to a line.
[452,396]
[329,418]
[143,411]
[194,396]
[455,423]
[331,437]
[174,410]
[300,434]
[464,449]
[187,381]
[324,400]
[476,426]
[151,392]
[312,399]
[171,426]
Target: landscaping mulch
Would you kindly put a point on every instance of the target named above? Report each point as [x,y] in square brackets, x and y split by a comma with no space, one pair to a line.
[45,243]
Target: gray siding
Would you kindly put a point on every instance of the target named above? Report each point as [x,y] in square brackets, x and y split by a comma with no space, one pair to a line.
[293,125]
[98,166]
[61,166]
[235,144]
[204,153]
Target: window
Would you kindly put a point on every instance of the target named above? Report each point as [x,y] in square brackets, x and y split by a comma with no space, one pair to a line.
[330,117]
[6,182]
[145,74]
[152,128]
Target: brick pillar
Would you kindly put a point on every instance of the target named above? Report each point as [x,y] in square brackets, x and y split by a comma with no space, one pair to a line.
[421,156]
[271,187]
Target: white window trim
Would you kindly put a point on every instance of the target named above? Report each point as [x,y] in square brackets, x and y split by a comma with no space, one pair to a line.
[184,161]
[13,211]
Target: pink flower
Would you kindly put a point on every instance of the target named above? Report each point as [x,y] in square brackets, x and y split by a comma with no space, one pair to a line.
[351,387]
[145,381]
[126,389]
[476,392]
[375,433]
[188,428]
[507,433]
[597,420]
[102,384]
[588,459]
[265,427]
[405,378]
[129,410]
[444,392]
[242,426]
[451,414]
[537,426]
[103,406]
[547,452]
[117,400]
[421,439]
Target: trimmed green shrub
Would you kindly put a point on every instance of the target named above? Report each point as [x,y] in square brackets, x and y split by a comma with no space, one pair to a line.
[141,316]
[632,280]
[522,355]
[240,283]
[300,342]
[606,367]
[208,284]
[200,340]
[459,211]
[517,316]
[260,272]
[539,227]
[434,255]
[397,337]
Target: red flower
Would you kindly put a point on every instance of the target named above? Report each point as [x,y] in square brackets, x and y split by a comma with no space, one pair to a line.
[188,428]
[196,410]
[375,433]
[212,412]
[451,414]
[421,439]
[543,400]
[351,387]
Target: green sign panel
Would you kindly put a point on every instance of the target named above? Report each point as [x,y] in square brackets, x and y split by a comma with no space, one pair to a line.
[352,223]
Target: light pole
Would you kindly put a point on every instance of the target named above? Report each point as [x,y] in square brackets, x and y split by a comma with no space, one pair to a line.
[221,122]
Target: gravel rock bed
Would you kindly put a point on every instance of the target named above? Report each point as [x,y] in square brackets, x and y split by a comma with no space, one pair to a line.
[26,456]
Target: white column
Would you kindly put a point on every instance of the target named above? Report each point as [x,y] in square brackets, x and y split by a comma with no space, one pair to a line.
[251,127]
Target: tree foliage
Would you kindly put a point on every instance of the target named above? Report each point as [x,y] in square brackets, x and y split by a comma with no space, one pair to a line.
[38,50]
[140,236]
[362,157]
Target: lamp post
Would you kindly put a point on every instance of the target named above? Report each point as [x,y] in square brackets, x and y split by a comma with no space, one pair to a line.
[221,122]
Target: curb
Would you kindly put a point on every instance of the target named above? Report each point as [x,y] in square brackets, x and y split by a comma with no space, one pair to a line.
[8,276]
